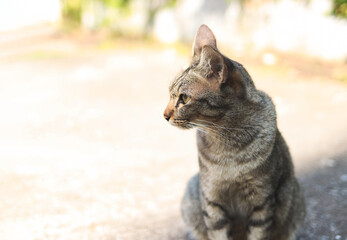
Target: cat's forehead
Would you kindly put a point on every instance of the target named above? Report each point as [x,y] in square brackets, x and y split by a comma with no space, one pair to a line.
[184,80]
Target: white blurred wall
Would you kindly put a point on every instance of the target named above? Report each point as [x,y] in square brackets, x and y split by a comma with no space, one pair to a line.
[15,14]
[286,25]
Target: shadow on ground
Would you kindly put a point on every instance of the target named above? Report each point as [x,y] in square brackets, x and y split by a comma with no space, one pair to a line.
[325,190]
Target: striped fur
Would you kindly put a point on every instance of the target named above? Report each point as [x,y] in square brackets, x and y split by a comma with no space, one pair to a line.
[246,188]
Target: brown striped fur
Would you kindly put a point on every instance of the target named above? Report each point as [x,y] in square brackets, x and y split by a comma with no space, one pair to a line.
[246,188]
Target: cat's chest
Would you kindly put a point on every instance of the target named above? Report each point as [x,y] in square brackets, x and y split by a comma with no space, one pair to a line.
[224,166]
[225,162]
[232,185]
[236,194]
[229,193]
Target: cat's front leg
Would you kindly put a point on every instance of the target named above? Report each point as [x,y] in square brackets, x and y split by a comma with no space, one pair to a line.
[216,220]
[260,221]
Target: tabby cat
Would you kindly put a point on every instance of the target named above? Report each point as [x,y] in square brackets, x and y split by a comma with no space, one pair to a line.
[246,188]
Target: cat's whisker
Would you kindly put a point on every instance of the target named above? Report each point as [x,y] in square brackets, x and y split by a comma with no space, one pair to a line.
[212,123]
[226,128]
[220,127]
[212,132]
[207,128]
[201,126]
[221,134]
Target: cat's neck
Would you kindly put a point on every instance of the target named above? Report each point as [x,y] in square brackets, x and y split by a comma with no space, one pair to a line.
[227,143]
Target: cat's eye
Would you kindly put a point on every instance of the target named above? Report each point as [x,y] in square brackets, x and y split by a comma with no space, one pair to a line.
[184,98]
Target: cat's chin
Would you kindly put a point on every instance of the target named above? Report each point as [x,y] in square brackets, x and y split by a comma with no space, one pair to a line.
[181,124]
[184,126]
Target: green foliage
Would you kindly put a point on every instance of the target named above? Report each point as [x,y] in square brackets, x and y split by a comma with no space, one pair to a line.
[72,11]
[171,3]
[110,13]
[340,8]
[115,3]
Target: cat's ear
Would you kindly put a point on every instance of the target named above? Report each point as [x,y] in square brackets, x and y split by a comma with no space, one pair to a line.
[212,64]
[214,67]
[203,37]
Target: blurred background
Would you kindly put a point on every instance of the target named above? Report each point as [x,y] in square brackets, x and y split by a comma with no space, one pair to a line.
[85,152]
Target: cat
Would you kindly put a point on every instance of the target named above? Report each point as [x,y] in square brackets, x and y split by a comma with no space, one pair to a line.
[246,188]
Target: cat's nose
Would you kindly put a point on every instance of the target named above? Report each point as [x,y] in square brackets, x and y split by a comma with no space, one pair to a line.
[168,112]
[166,117]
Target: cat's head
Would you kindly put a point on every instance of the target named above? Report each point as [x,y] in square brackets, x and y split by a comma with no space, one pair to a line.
[210,88]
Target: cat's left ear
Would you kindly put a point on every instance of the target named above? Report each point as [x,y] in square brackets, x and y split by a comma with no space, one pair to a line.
[203,37]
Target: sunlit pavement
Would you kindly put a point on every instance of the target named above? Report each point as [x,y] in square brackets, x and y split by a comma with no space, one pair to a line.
[86,154]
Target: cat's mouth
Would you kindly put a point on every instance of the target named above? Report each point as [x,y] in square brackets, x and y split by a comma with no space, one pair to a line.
[181,123]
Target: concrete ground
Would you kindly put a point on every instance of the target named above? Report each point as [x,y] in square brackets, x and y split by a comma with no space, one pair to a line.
[86,154]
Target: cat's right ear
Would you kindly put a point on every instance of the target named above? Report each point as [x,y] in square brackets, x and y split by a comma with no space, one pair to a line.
[203,37]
